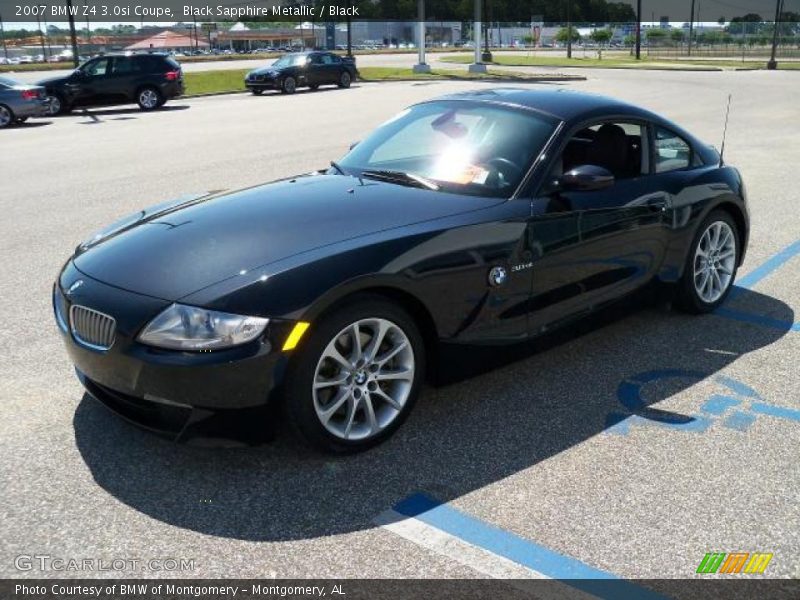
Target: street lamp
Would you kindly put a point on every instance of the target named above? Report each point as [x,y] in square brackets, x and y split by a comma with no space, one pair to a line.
[3,37]
[773,64]
[569,28]
[638,29]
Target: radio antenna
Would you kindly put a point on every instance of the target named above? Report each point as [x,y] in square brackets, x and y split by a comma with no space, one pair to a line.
[725,133]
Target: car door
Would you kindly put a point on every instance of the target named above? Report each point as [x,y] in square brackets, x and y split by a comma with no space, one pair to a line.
[315,70]
[593,246]
[96,86]
[119,85]
[332,67]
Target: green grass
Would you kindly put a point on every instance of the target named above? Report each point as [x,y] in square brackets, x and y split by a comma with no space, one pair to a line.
[617,62]
[214,82]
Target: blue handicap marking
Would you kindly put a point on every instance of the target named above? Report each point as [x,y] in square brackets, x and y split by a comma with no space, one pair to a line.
[747,282]
[737,409]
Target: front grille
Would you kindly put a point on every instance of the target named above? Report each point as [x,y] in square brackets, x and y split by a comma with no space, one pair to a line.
[92,328]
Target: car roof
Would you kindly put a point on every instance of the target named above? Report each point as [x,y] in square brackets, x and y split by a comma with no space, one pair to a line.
[564,104]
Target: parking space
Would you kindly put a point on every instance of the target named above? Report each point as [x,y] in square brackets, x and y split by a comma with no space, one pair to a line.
[629,446]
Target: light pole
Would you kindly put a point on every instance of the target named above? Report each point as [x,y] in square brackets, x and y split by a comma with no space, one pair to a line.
[72,37]
[691,29]
[569,28]
[3,37]
[638,29]
[773,64]
[421,66]
[477,66]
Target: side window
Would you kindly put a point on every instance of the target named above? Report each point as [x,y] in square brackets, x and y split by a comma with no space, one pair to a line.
[327,59]
[335,59]
[122,66]
[619,147]
[672,152]
[316,59]
[97,68]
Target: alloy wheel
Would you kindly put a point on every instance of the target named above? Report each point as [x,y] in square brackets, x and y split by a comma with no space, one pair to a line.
[714,262]
[53,105]
[289,85]
[148,98]
[363,379]
[5,116]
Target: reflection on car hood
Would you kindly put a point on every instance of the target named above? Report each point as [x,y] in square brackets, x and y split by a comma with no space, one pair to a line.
[53,80]
[171,253]
[264,71]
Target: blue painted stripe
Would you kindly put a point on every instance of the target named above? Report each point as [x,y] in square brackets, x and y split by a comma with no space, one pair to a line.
[770,265]
[519,550]
[776,411]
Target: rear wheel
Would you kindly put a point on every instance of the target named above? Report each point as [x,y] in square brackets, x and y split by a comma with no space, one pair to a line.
[711,266]
[6,116]
[148,98]
[289,85]
[345,80]
[357,377]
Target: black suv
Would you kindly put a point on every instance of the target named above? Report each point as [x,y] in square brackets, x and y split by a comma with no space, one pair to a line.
[147,79]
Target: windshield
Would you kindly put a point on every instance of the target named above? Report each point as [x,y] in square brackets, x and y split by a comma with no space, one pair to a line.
[463,147]
[290,60]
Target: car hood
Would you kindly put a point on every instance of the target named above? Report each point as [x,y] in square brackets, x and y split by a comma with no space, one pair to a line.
[52,80]
[176,249]
[264,71]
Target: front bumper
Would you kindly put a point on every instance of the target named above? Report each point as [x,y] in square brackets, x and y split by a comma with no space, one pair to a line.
[164,390]
[261,84]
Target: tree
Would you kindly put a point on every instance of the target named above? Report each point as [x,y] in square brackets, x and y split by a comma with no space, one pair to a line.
[655,36]
[601,36]
[677,36]
[563,35]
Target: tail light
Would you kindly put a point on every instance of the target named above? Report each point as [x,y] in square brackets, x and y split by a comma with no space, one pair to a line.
[30,94]
[173,75]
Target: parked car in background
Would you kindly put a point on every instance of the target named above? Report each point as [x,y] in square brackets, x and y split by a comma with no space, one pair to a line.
[147,79]
[303,69]
[20,101]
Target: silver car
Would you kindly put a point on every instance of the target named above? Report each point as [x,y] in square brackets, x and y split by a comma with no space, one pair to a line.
[19,101]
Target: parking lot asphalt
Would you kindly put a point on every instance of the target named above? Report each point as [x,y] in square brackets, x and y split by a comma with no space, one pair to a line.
[632,447]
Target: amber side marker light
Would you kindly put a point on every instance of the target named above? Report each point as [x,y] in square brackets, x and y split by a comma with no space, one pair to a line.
[294,337]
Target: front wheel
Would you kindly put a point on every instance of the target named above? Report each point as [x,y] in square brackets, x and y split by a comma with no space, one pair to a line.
[288,85]
[148,98]
[711,265]
[57,105]
[357,377]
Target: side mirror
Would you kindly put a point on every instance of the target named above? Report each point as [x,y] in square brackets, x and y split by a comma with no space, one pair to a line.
[586,178]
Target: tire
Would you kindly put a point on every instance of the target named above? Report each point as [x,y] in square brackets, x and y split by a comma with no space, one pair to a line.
[149,98]
[401,356]
[6,116]
[58,105]
[706,283]
[345,79]
[289,85]
[257,92]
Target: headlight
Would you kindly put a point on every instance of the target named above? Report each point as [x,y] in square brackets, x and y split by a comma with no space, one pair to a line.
[181,327]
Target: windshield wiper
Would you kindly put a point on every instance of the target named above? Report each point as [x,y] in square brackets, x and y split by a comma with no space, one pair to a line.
[402,178]
[336,166]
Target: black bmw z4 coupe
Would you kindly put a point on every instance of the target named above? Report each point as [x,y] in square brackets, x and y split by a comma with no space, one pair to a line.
[485,217]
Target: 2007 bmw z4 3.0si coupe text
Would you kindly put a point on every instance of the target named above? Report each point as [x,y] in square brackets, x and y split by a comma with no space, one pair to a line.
[482,217]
